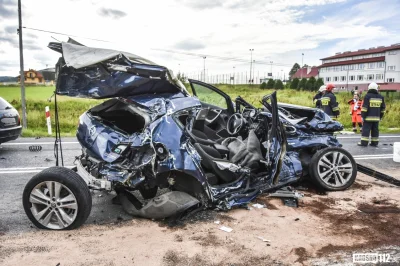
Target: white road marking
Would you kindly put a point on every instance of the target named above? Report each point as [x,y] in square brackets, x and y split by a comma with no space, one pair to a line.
[373,158]
[372,155]
[22,170]
[36,143]
[359,137]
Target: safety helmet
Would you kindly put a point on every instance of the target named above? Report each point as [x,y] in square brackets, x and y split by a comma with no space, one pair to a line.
[322,88]
[373,86]
[330,87]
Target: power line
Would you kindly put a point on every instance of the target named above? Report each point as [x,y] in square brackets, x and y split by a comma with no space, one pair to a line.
[69,35]
[236,59]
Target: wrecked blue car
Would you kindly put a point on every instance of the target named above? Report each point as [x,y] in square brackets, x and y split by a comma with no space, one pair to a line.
[165,150]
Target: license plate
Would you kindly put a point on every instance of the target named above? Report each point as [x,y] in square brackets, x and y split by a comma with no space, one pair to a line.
[8,121]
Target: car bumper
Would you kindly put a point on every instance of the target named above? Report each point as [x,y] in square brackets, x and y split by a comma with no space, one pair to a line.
[12,133]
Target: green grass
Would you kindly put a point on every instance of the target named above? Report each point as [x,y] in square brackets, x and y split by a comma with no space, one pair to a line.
[71,108]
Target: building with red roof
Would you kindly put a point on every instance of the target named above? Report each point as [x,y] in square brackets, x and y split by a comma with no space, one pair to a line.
[32,77]
[357,69]
[306,72]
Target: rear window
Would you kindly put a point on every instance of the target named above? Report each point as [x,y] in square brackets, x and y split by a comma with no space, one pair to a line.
[3,104]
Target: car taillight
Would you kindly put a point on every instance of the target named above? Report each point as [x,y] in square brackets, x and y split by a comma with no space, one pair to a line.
[19,120]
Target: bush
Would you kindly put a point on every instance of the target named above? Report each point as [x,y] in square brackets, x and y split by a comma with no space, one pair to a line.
[310,84]
[302,84]
[270,84]
[263,85]
[295,83]
[318,84]
[278,85]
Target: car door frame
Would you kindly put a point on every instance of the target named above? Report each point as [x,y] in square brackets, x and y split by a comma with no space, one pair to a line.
[229,103]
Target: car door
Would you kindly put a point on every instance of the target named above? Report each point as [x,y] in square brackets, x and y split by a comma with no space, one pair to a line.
[219,104]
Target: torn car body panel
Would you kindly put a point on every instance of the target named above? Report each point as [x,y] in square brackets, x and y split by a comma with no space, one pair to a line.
[102,73]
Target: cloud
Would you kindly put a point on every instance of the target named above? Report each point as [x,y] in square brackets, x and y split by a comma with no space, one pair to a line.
[112,13]
[189,44]
[11,29]
[202,4]
[8,9]
[10,40]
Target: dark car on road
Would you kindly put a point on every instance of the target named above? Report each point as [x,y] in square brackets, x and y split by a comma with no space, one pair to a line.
[10,122]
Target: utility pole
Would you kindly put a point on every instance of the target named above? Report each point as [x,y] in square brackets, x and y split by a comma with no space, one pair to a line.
[301,68]
[271,69]
[204,69]
[251,62]
[234,73]
[21,66]
[254,72]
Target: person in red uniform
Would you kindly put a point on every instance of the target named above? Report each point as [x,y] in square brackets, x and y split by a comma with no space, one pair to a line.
[355,111]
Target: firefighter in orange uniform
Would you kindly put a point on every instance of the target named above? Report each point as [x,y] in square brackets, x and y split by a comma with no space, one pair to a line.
[355,111]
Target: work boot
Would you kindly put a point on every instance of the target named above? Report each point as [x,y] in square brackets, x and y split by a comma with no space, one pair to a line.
[360,144]
[354,129]
[373,144]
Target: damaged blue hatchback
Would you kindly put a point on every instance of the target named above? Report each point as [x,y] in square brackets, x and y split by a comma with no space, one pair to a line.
[201,149]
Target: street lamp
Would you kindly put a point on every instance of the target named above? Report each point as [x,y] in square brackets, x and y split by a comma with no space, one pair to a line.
[204,68]
[251,60]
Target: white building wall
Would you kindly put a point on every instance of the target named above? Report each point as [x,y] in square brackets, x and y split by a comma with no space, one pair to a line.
[349,76]
[392,60]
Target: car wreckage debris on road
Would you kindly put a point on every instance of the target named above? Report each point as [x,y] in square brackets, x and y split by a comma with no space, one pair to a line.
[206,150]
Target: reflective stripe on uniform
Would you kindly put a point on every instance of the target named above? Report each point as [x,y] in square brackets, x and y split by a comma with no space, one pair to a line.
[364,138]
[335,109]
[325,100]
[374,139]
[364,109]
[375,102]
[372,118]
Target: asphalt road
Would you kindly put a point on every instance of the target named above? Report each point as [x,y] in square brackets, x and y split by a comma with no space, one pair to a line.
[18,165]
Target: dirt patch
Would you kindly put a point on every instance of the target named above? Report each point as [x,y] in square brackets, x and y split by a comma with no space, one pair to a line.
[8,251]
[302,254]
[360,186]
[173,258]
[209,240]
[372,225]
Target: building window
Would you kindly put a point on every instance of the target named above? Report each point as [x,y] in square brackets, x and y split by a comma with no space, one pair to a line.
[360,77]
[31,75]
[351,67]
[327,79]
[390,80]
[335,78]
[379,76]
[391,67]
[380,65]
[352,78]
[370,76]
[345,67]
[337,68]
[371,65]
[393,52]
[361,66]
[343,78]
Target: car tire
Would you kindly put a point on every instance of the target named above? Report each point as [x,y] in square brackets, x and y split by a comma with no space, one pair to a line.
[333,169]
[57,199]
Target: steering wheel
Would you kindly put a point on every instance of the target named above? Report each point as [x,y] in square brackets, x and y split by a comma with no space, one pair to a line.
[235,123]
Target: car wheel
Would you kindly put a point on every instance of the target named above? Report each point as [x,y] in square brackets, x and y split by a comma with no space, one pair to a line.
[333,169]
[57,199]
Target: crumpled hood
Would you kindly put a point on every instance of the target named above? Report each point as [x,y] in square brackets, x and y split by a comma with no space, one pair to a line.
[103,73]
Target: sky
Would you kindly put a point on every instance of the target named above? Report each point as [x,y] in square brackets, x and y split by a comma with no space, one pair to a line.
[278,30]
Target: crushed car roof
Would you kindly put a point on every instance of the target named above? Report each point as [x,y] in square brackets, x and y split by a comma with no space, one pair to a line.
[98,73]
